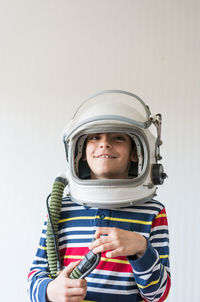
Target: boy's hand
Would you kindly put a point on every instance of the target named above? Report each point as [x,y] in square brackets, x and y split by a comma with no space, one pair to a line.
[64,289]
[118,242]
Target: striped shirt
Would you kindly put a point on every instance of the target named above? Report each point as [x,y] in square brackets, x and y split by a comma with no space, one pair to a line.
[116,279]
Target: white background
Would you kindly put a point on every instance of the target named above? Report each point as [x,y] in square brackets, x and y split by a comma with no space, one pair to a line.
[53,55]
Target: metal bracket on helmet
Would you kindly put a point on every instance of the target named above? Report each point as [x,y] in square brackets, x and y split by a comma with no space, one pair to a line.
[158,174]
[157,121]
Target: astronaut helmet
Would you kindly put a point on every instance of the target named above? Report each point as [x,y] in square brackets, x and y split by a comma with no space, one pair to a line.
[114,111]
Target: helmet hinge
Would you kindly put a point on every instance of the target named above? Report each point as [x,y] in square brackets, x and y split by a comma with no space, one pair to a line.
[157,121]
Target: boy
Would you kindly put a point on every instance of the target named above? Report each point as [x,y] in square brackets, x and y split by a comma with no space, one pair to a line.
[131,236]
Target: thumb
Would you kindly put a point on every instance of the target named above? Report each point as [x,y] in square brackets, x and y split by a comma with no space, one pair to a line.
[67,270]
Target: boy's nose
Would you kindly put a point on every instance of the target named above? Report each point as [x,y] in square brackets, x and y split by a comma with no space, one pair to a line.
[105,142]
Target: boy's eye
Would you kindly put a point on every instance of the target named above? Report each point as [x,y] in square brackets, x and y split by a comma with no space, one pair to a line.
[119,138]
[93,137]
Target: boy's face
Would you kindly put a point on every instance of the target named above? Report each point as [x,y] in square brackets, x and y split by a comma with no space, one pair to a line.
[109,155]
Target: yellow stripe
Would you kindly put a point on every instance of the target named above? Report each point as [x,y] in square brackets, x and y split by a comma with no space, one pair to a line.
[102,259]
[107,218]
[161,215]
[127,220]
[72,257]
[115,260]
[42,247]
[164,256]
[76,218]
[152,283]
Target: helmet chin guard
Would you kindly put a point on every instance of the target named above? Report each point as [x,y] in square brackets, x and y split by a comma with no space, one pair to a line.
[113,111]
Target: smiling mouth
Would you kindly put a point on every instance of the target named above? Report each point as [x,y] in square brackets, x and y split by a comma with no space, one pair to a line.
[104,156]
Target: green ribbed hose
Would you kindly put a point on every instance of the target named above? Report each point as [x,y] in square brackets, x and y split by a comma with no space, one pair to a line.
[54,210]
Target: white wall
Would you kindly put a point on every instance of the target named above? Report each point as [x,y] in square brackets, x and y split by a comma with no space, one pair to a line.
[54,54]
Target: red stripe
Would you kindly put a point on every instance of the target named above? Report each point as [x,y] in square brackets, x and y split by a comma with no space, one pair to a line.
[162,211]
[37,270]
[117,267]
[79,251]
[107,266]
[158,221]
[103,265]
[168,285]
[82,251]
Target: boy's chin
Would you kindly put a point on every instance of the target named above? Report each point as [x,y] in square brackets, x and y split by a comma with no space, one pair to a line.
[107,175]
[104,175]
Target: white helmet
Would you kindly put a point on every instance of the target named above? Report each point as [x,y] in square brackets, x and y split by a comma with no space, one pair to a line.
[114,111]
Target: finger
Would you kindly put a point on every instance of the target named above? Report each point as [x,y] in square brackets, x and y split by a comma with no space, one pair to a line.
[103,231]
[99,241]
[67,270]
[104,247]
[114,253]
[75,283]
[81,291]
[106,231]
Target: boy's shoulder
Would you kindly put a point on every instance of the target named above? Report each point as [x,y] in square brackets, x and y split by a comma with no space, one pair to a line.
[152,203]
[156,202]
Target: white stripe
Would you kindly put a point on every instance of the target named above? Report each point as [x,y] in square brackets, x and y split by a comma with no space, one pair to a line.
[67,200]
[147,276]
[159,244]
[78,229]
[167,269]
[111,273]
[40,259]
[66,209]
[66,245]
[144,234]
[159,228]
[40,265]
[112,282]
[44,227]
[92,229]
[112,291]
[163,235]
[153,212]
[155,205]
[76,237]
